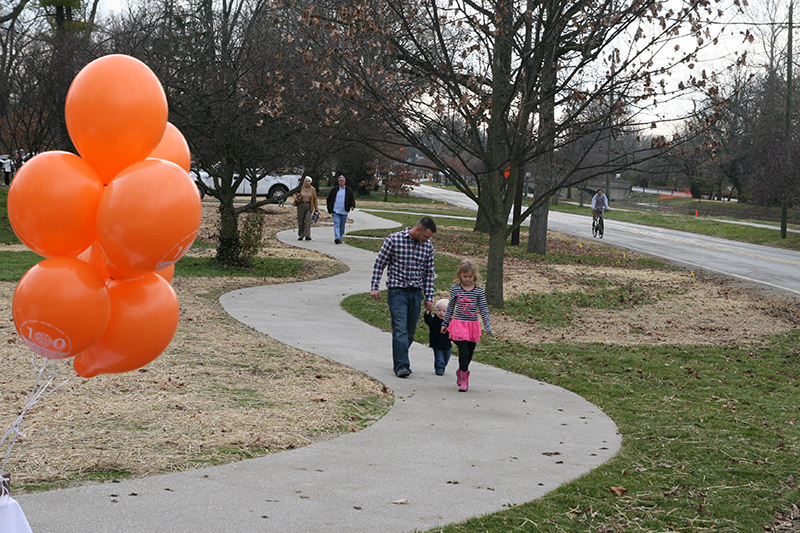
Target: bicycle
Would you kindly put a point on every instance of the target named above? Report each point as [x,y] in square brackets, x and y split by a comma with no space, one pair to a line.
[598,226]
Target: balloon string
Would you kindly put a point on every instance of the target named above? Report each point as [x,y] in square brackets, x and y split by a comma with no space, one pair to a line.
[46,374]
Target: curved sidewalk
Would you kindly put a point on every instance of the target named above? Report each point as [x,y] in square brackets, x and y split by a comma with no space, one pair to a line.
[447,456]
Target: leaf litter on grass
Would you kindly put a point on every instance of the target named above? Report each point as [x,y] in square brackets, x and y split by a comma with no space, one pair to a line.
[221,392]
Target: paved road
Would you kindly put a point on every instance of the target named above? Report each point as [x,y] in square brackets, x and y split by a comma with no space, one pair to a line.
[763,265]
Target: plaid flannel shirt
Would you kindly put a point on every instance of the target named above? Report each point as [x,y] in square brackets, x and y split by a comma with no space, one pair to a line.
[410,264]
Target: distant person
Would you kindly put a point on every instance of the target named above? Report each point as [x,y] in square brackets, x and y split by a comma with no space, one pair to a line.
[467,299]
[439,342]
[306,202]
[341,200]
[407,256]
[18,161]
[7,168]
[599,201]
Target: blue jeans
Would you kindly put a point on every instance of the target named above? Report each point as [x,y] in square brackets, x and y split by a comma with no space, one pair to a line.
[441,356]
[404,307]
[338,225]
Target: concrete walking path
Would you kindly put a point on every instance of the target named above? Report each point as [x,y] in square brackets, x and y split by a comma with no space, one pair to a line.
[447,456]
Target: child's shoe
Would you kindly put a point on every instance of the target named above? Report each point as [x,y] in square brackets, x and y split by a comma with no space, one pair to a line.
[464,385]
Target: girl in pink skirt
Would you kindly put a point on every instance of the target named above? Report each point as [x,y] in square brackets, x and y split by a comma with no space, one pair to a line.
[467,299]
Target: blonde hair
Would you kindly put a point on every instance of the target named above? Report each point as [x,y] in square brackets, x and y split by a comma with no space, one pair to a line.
[468,265]
[441,303]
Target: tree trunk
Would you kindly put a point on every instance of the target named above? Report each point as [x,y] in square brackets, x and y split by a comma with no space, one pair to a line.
[494,270]
[492,184]
[253,189]
[518,206]
[482,223]
[537,234]
[229,248]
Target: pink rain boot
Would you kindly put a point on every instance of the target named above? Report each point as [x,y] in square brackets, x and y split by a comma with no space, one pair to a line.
[464,383]
[459,378]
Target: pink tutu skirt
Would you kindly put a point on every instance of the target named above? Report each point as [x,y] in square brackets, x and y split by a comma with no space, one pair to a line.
[461,330]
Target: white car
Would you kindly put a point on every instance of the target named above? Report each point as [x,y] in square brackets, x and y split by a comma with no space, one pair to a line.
[271,185]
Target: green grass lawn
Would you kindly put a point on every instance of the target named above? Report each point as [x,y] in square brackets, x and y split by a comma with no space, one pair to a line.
[710,436]
[710,433]
[15,264]
[7,235]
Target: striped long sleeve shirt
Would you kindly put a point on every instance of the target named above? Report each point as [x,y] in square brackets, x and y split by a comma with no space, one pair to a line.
[408,263]
[465,306]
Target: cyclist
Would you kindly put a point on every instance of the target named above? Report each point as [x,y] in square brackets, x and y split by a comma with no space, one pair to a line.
[599,201]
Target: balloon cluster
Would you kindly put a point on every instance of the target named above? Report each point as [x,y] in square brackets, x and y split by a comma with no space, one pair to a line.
[111,224]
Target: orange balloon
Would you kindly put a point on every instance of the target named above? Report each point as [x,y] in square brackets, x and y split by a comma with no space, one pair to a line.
[167,273]
[144,318]
[60,307]
[52,204]
[93,255]
[173,147]
[148,218]
[116,113]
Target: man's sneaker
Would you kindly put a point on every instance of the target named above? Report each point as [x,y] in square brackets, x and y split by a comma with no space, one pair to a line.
[404,373]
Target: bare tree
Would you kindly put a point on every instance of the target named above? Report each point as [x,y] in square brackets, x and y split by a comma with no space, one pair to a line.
[239,94]
[40,45]
[12,41]
[731,152]
[499,82]
[231,89]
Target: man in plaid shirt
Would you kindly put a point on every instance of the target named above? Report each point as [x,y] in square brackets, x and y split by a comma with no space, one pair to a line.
[408,254]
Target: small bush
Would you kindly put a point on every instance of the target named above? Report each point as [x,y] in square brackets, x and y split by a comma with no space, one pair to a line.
[251,235]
